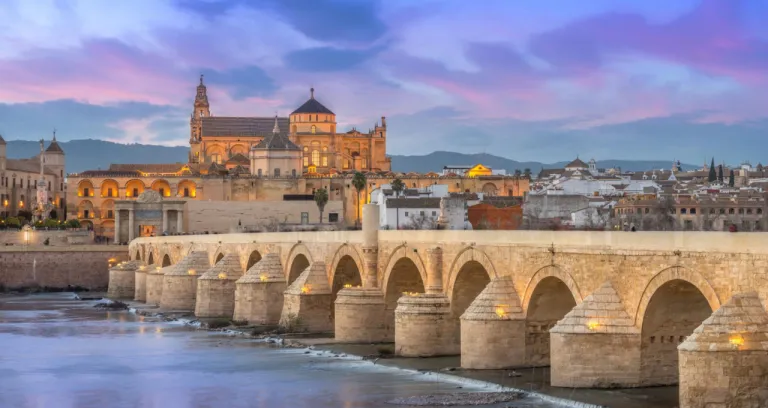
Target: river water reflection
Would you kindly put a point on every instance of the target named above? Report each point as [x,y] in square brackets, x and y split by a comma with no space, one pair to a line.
[58,352]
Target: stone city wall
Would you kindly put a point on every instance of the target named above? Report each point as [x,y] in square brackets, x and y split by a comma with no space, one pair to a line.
[55,237]
[86,266]
[223,216]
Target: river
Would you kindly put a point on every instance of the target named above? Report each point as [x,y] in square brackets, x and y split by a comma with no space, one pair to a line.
[59,352]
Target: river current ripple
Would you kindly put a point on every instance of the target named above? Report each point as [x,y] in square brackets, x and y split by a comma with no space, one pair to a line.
[59,352]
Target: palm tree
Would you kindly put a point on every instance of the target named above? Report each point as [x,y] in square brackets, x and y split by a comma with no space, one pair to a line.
[321,199]
[397,186]
[359,182]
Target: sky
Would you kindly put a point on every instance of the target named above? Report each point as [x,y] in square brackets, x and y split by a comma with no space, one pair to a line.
[545,80]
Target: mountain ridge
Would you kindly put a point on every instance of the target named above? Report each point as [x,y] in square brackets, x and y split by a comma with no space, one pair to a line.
[94,154]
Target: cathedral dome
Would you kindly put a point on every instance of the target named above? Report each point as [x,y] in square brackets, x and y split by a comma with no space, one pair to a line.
[312,106]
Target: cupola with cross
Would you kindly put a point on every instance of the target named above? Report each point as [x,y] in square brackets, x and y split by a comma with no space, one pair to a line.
[312,117]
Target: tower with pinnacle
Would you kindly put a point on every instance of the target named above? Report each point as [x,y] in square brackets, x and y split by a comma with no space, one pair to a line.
[200,110]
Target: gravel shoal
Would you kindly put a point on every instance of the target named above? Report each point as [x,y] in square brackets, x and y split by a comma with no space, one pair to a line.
[462,398]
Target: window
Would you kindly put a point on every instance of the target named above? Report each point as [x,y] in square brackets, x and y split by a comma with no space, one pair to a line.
[759,210]
[741,211]
[316,157]
[86,192]
[749,211]
[305,218]
[314,129]
[293,173]
[693,211]
[259,173]
[135,192]
[306,161]
[333,217]
[722,211]
[277,172]
[683,211]
[434,213]
[421,212]
[711,210]
[647,210]
[110,214]
[109,192]
[162,192]
[86,213]
[731,211]
[186,191]
[216,158]
[406,213]
[49,186]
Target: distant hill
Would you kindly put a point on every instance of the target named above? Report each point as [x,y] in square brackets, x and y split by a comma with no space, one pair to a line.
[436,160]
[90,154]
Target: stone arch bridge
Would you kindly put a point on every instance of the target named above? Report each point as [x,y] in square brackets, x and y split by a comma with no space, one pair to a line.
[604,309]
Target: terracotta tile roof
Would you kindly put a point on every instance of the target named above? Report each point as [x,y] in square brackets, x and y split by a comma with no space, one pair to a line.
[242,126]
[313,106]
[577,163]
[238,158]
[146,168]
[27,166]
[276,142]
[54,147]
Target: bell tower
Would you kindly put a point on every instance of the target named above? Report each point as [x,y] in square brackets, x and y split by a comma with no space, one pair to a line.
[200,110]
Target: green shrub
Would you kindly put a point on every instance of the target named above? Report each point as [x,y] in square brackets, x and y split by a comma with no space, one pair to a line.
[73,224]
[51,223]
[13,222]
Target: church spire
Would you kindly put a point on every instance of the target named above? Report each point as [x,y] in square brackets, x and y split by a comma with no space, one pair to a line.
[276,129]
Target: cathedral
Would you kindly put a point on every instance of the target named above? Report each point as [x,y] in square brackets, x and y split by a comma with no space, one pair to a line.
[230,142]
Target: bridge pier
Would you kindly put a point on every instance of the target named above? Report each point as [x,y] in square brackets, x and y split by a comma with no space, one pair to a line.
[122,280]
[596,345]
[308,302]
[180,282]
[216,288]
[155,284]
[360,313]
[493,328]
[259,293]
[424,324]
[140,279]
[724,363]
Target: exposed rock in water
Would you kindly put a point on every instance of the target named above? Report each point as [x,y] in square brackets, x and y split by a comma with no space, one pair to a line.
[115,305]
[464,398]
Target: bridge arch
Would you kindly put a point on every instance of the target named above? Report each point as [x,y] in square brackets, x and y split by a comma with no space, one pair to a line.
[674,303]
[137,254]
[465,256]
[550,295]
[151,256]
[469,274]
[670,274]
[166,261]
[253,258]
[404,273]
[550,271]
[346,264]
[396,256]
[299,258]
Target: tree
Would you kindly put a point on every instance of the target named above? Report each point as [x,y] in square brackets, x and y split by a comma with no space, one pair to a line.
[712,175]
[517,173]
[397,186]
[13,222]
[359,182]
[527,172]
[421,222]
[731,179]
[53,214]
[321,199]
[720,173]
